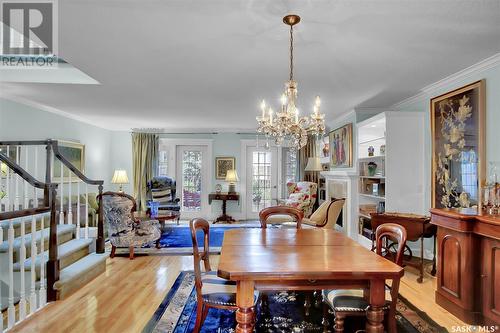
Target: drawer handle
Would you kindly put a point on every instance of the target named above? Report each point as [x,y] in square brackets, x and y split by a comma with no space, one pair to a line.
[312,281]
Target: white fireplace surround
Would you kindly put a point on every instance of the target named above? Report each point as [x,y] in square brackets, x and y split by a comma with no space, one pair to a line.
[343,184]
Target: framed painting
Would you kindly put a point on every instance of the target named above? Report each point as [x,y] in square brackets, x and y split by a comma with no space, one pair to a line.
[75,153]
[341,147]
[458,146]
[222,164]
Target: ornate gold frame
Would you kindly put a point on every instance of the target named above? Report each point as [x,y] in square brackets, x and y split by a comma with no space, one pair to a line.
[225,158]
[349,131]
[481,86]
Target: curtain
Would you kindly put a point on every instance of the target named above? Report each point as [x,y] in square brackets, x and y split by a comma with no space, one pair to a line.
[309,150]
[145,158]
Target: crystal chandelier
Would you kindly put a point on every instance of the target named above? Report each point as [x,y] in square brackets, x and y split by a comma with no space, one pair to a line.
[286,124]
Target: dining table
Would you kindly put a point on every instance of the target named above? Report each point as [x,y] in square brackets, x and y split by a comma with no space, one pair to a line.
[302,259]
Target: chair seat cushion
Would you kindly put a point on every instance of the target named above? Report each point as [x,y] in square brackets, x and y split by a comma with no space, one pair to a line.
[350,300]
[219,291]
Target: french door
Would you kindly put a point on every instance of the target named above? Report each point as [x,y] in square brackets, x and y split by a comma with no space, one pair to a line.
[192,181]
[262,179]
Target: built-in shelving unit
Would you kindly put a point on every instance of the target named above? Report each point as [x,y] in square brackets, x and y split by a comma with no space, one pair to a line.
[390,162]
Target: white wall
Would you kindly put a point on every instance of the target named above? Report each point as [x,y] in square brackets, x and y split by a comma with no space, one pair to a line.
[22,122]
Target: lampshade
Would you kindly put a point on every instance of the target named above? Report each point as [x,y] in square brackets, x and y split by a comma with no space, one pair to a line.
[313,164]
[232,176]
[120,177]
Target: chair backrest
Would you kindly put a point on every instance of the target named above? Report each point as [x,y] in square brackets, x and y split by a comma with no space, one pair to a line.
[194,226]
[161,189]
[327,214]
[395,233]
[118,209]
[280,210]
[310,191]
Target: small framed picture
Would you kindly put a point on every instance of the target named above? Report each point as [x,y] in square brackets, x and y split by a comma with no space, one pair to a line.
[222,165]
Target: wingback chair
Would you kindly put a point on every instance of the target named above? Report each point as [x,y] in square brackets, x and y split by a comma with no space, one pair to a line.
[302,195]
[123,229]
[162,189]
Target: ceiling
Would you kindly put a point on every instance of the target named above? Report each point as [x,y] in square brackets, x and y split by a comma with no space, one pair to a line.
[205,65]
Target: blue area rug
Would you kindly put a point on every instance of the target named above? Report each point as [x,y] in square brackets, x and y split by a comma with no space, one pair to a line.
[177,314]
[180,236]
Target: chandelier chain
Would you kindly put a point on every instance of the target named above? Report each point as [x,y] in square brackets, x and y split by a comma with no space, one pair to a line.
[291,53]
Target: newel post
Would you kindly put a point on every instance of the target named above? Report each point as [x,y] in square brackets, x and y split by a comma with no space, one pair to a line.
[100,225]
[53,262]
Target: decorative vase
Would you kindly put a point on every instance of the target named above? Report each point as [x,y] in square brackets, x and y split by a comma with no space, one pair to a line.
[371,150]
[372,168]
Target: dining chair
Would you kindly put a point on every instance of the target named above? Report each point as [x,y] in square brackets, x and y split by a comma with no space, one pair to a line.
[346,303]
[123,229]
[211,290]
[269,212]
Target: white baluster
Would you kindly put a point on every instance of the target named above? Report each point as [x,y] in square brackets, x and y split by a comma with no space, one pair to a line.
[70,208]
[26,167]
[87,211]
[78,210]
[16,181]
[42,294]
[22,260]
[35,196]
[7,179]
[2,188]
[61,195]
[33,270]
[11,310]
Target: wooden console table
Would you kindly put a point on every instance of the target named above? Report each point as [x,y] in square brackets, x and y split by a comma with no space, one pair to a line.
[224,197]
[468,271]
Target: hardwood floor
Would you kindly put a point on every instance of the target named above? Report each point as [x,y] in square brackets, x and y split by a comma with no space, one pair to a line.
[126,296]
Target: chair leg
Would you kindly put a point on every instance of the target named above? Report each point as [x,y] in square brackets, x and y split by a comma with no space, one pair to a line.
[131,252]
[199,317]
[113,250]
[391,321]
[339,323]
[158,243]
[325,320]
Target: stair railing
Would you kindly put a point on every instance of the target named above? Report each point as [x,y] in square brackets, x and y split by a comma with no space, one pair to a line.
[36,299]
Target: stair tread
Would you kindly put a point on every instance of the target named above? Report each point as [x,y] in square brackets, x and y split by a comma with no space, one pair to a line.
[79,267]
[63,250]
[61,229]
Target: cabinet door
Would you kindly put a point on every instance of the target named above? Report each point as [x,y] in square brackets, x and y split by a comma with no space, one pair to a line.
[490,272]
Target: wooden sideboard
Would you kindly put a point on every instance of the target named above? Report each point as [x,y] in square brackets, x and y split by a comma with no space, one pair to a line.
[468,274]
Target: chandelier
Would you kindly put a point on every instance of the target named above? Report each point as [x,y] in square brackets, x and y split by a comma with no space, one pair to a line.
[287,125]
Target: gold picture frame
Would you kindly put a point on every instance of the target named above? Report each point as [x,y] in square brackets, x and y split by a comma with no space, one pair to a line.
[458,121]
[75,153]
[340,140]
[222,164]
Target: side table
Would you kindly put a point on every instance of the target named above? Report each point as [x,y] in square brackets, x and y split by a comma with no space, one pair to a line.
[224,197]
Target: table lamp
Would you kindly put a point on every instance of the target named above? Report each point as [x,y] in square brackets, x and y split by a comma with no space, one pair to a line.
[120,177]
[313,164]
[232,178]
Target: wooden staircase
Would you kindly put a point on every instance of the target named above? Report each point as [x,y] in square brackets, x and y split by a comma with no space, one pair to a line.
[47,252]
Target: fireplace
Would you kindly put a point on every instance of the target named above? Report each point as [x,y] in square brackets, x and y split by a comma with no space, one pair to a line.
[342,185]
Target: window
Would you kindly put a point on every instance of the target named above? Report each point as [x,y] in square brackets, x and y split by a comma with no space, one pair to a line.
[163,163]
[289,169]
[261,180]
[191,180]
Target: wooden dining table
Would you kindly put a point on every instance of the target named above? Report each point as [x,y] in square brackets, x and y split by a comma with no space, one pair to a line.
[303,259]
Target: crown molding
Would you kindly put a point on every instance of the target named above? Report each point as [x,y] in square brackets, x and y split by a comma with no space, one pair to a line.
[461,75]
[42,107]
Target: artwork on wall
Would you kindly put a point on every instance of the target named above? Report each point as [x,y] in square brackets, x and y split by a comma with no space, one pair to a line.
[458,146]
[324,148]
[73,152]
[341,147]
[222,165]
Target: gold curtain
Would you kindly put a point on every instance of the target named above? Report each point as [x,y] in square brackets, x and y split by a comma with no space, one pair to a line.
[309,150]
[144,157]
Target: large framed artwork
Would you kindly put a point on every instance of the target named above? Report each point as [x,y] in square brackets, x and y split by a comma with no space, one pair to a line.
[341,147]
[458,146]
[222,164]
[75,153]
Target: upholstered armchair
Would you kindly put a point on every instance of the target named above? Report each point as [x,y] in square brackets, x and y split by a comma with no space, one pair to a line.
[162,190]
[326,215]
[123,229]
[302,195]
